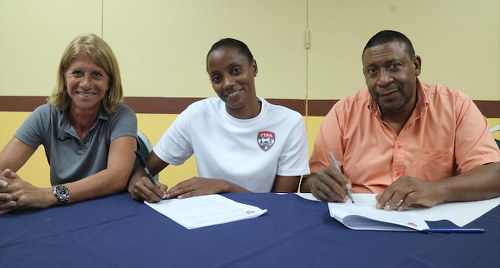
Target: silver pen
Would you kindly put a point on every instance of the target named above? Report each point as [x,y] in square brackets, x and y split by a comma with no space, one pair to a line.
[337,166]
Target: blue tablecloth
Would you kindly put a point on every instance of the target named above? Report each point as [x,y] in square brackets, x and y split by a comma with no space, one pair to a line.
[117,231]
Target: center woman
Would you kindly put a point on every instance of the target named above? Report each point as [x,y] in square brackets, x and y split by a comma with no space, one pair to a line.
[241,142]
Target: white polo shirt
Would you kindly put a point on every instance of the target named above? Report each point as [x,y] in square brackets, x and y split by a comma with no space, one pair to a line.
[247,152]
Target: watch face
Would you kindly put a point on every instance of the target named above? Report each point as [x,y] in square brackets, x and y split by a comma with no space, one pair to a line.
[62,193]
[62,190]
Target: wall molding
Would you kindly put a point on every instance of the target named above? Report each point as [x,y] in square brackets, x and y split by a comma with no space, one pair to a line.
[163,105]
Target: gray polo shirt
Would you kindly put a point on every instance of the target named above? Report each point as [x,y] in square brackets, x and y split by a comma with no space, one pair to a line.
[69,157]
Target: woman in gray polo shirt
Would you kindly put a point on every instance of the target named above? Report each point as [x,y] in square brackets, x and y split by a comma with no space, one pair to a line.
[88,134]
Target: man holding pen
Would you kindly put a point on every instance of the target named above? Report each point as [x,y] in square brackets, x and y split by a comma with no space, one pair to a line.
[412,143]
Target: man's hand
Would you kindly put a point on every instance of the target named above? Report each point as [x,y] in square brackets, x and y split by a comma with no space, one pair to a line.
[330,185]
[409,191]
[141,188]
[199,186]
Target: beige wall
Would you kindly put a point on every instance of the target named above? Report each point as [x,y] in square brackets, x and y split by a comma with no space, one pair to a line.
[163,50]
[161,47]
[161,44]
[33,35]
[458,41]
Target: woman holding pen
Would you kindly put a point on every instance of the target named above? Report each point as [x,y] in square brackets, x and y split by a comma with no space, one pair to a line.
[241,142]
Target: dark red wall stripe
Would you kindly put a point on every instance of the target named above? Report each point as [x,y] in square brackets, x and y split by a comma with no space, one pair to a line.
[162,105]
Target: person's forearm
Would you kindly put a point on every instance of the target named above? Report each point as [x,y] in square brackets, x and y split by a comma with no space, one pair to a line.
[233,188]
[136,176]
[14,155]
[286,184]
[305,185]
[48,198]
[103,183]
[479,183]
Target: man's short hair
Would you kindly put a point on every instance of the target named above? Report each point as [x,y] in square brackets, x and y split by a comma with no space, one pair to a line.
[388,36]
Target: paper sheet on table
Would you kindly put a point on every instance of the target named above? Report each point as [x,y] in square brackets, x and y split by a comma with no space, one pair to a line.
[460,213]
[205,210]
[362,215]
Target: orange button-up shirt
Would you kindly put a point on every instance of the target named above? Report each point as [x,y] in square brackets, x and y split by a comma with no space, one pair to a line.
[445,135]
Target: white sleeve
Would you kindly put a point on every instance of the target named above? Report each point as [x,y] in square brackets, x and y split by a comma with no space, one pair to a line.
[175,146]
[293,161]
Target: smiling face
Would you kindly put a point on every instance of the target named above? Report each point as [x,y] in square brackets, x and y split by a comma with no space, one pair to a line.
[232,76]
[391,77]
[86,84]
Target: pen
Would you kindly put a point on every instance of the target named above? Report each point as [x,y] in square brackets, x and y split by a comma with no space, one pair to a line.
[458,230]
[337,166]
[143,163]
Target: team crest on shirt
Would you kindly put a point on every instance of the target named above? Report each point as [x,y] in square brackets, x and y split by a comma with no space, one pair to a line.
[265,139]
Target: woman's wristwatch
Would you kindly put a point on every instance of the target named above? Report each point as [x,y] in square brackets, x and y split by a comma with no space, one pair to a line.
[62,193]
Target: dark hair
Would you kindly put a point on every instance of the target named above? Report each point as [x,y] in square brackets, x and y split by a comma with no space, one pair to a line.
[230,42]
[388,36]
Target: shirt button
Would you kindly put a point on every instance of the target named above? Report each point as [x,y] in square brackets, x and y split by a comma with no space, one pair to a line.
[399,146]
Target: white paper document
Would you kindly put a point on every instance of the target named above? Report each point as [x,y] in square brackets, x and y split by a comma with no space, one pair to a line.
[205,210]
[362,215]
[460,213]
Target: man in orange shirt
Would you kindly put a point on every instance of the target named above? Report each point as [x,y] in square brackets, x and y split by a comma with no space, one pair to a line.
[412,143]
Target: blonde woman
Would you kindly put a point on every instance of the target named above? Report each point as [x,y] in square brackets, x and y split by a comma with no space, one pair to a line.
[88,134]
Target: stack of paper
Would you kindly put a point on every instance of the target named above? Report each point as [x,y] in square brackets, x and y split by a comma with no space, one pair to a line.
[460,213]
[206,210]
[362,215]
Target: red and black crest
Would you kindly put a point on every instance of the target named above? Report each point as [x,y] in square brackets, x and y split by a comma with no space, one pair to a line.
[265,139]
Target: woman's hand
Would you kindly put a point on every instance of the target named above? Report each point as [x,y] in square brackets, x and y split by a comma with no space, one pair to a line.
[203,186]
[142,188]
[6,203]
[16,194]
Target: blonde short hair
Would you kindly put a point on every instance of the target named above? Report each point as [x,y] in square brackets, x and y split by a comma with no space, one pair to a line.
[103,56]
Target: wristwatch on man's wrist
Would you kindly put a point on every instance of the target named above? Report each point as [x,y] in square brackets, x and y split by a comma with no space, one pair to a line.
[62,193]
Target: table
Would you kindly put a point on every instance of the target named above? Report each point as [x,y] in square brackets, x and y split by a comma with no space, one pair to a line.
[116,231]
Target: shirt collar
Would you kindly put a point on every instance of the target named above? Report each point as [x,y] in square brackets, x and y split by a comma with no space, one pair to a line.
[65,130]
[422,103]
